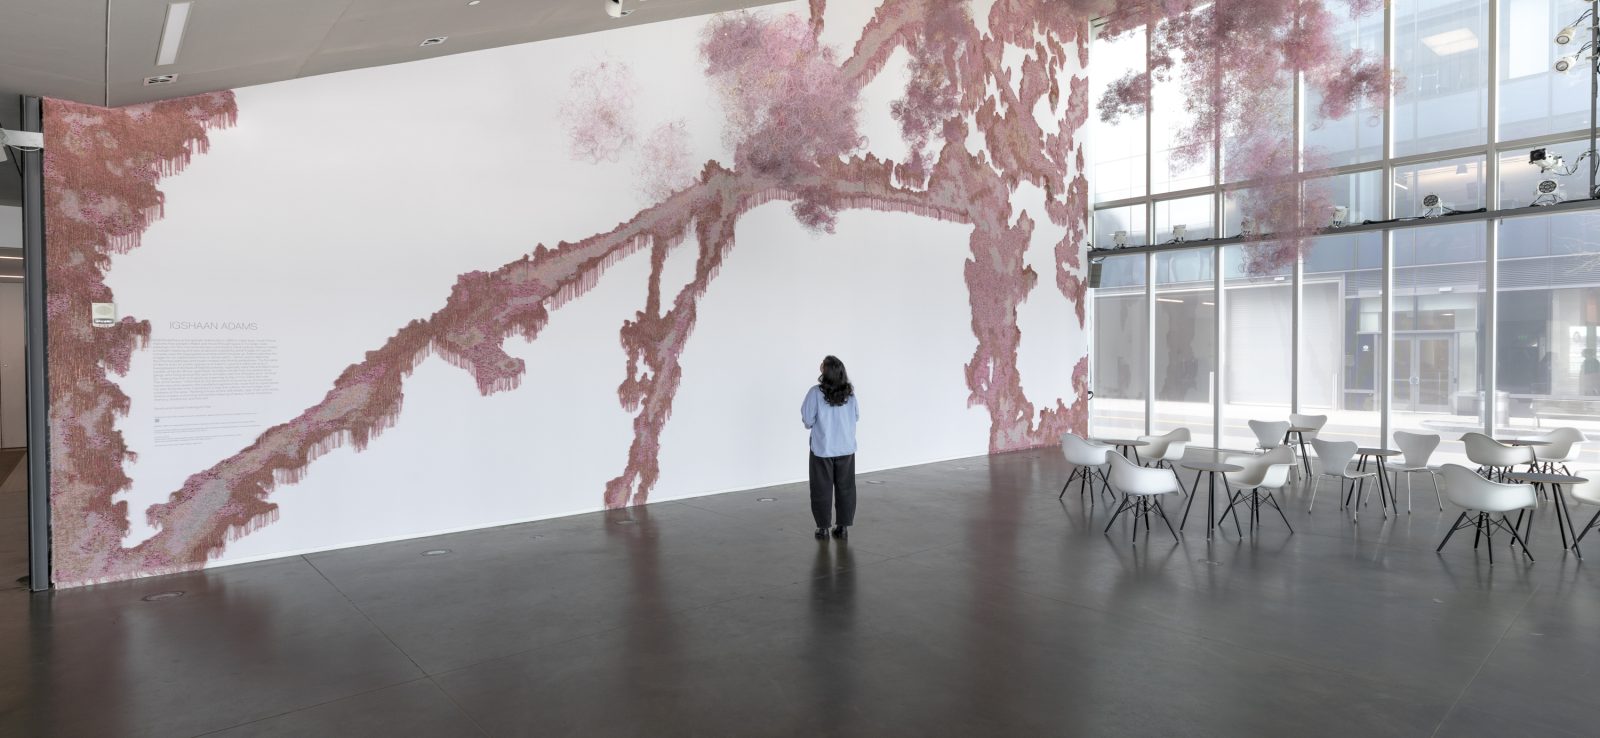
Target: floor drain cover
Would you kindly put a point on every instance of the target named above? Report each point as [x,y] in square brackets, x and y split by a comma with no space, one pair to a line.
[436,552]
[159,596]
[766,499]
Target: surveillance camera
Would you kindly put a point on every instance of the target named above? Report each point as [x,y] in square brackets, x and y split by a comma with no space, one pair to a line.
[1565,35]
[618,8]
[1341,215]
[1566,63]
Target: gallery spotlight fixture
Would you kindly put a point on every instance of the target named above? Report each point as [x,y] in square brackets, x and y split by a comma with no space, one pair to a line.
[435,41]
[619,8]
[1341,216]
[1119,239]
[1247,226]
[1433,207]
[1180,233]
[1565,63]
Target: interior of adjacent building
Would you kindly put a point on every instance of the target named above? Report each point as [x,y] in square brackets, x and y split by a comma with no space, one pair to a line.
[430,368]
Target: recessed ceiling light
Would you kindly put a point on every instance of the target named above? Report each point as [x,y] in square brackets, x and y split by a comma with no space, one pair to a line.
[1452,42]
[172,33]
[435,41]
[161,79]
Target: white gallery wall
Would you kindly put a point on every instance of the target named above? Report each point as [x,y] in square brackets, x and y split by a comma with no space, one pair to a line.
[340,207]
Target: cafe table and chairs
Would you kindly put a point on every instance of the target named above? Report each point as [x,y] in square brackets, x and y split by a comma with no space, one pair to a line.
[1218,464]
[1569,533]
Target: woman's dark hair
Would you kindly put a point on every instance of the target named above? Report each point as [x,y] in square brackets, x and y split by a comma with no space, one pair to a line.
[835,381]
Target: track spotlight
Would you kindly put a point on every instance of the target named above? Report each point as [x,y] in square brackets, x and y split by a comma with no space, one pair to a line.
[1566,63]
[1180,233]
[1247,226]
[1565,35]
[1341,215]
[1119,239]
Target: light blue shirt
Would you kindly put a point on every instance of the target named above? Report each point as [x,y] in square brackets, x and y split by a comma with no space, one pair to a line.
[833,427]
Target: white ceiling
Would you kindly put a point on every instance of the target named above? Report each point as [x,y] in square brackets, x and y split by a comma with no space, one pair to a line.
[101,51]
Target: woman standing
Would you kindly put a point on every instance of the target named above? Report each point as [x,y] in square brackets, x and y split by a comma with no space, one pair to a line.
[830,412]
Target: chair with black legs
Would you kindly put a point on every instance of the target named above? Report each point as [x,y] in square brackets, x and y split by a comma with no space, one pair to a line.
[1086,458]
[1482,500]
[1562,445]
[1587,493]
[1270,472]
[1141,489]
[1494,458]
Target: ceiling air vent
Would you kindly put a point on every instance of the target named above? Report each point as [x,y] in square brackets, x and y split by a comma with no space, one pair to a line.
[161,79]
[435,41]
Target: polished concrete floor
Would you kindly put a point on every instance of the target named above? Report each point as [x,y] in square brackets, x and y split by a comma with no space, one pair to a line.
[968,602]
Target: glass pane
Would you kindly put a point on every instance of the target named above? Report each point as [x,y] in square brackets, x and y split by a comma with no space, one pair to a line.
[1185,342]
[1534,100]
[1117,410]
[1439,318]
[1259,309]
[1195,214]
[1168,116]
[1360,193]
[1110,220]
[1358,136]
[1441,55]
[1341,324]
[1457,182]
[1519,178]
[1549,318]
[1118,150]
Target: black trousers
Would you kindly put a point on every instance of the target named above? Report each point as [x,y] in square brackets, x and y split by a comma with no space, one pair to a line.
[833,482]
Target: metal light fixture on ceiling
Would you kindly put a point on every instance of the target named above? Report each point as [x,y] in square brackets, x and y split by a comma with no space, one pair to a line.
[172,33]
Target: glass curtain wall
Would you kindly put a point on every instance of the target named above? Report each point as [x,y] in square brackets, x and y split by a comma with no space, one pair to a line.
[1119,356]
[1257,330]
[1185,359]
[1489,323]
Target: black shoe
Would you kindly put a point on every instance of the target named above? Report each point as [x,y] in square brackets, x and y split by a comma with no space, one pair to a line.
[822,533]
[841,532]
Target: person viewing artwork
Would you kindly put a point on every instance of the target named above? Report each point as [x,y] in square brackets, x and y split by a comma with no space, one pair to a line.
[830,412]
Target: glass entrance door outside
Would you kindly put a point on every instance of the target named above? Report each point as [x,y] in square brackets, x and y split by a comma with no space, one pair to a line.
[1424,372]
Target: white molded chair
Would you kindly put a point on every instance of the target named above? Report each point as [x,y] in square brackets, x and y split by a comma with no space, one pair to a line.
[1314,422]
[1415,450]
[1141,489]
[1086,458]
[1269,434]
[1587,493]
[1484,499]
[1494,457]
[1268,471]
[1335,456]
[1165,449]
[1564,446]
